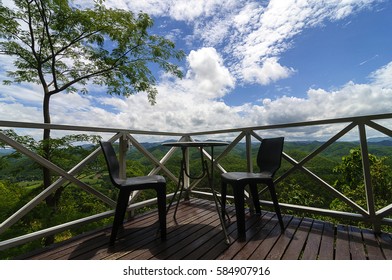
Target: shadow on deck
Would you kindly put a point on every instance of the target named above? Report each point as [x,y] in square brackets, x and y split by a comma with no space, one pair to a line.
[197,235]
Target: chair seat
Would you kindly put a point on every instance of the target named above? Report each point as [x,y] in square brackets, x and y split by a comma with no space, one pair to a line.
[141,181]
[246,176]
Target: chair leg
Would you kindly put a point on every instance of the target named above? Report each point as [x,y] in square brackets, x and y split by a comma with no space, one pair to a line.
[161,195]
[121,207]
[223,198]
[239,209]
[271,188]
[255,197]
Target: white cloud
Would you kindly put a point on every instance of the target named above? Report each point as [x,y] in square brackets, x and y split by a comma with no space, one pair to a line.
[181,106]
[382,76]
[20,112]
[252,34]
[208,73]
[350,100]
[264,34]
[269,71]
[181,10]
[247,17]
[190,10]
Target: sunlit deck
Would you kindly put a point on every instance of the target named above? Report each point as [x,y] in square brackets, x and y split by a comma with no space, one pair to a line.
[197,235]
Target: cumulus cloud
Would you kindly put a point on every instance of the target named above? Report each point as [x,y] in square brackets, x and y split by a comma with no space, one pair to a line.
[181,106]
[351,99]
[206,69]
[269,71]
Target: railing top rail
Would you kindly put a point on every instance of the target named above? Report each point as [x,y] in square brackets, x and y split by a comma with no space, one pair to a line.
[298,124]
[83,128]
[168,133]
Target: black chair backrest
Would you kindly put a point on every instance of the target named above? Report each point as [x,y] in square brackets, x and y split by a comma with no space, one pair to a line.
[269,156]
[112,162]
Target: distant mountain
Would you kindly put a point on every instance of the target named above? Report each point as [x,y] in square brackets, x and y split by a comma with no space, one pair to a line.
[385,143]
[380,140]
[6,151]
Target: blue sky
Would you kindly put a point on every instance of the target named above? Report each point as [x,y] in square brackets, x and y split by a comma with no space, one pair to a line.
[248,63]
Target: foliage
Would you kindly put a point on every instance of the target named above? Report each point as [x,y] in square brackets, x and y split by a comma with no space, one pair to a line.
[64,150]
[21,182]
[59,46]
[294,192]
[11,196]
[351,180]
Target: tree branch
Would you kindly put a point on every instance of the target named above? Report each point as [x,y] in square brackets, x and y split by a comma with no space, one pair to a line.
[37,58]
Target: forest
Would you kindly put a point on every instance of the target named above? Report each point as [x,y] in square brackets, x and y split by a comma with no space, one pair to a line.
[21,180]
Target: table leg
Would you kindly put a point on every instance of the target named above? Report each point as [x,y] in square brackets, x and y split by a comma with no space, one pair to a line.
[180,186]
[215,196]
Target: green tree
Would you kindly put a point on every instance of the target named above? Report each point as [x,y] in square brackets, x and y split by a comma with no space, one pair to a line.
[351,180]
[67,201]
[64,49]
[11,197]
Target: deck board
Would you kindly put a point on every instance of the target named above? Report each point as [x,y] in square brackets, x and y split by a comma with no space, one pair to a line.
[266,244]
[386,245]
[357,248]
[282,241]
[312,248]
[196,234]
[242,250]
[327,250]
[295,248]
[342,243]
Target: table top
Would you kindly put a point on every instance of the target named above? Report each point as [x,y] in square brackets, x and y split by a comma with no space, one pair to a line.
[187,144]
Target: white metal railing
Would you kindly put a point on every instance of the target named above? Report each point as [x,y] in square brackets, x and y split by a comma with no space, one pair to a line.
[371,215]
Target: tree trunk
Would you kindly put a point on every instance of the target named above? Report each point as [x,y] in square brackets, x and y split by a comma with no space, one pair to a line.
[53,199]
[46,141]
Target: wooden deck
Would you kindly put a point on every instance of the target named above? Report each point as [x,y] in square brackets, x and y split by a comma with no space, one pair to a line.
[197,235]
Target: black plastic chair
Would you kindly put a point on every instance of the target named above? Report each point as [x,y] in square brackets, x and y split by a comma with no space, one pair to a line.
[268,160]
[126,186]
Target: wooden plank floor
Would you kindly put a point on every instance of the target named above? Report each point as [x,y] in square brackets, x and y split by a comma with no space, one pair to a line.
[197,235]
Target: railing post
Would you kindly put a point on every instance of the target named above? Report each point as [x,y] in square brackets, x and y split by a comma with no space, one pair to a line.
[123,148]
[187,181]
[122,160]
[367,177]
[249,160]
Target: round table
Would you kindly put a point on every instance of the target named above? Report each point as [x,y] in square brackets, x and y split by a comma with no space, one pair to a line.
[205,171]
